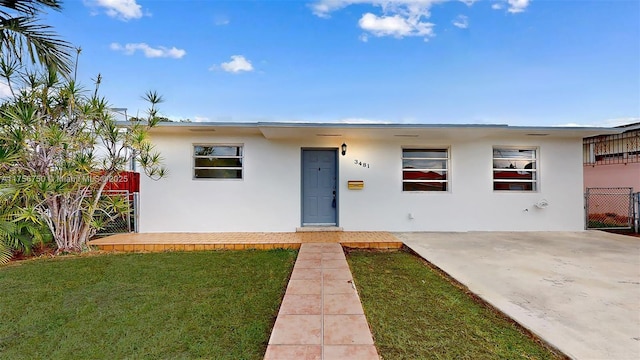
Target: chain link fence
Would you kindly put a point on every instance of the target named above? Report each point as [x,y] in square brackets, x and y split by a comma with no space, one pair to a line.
[123,220]
[609,208]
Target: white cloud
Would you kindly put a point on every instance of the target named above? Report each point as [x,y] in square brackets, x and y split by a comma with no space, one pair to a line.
[397,18]
[5,91]
[514,6]
[400,18]
[406,8]
[461,21]
[150,52]
[572,125]
[237,64]
[517,6]
[364,38]
[121,9]
[396,25]
[201,119]
[323,8]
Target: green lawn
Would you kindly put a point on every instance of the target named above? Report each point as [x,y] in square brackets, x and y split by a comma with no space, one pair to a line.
[217,305]
[415,313]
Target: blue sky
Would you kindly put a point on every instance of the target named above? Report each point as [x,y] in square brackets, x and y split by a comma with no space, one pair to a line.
[517,62]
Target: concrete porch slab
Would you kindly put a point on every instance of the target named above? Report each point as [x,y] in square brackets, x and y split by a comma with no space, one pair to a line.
[319,229]
[242,240]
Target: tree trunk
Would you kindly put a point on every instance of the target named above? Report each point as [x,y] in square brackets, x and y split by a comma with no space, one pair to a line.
[68,225]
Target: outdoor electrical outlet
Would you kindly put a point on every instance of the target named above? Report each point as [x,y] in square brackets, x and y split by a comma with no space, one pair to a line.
[410,216]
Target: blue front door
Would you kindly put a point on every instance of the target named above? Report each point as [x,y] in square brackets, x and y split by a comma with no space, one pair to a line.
[319,200]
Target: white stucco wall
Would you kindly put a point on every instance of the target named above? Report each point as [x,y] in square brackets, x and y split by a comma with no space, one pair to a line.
[268,198]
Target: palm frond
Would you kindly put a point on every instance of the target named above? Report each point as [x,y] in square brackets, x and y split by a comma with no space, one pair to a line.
[5,253]
[25,38]
[31,7]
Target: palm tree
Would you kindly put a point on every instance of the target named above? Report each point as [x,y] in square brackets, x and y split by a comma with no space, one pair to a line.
[24,38]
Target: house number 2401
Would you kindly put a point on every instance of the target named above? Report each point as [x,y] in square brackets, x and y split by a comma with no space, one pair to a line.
[360,163]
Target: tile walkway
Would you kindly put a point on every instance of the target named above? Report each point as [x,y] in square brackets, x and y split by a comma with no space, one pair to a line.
[321,316]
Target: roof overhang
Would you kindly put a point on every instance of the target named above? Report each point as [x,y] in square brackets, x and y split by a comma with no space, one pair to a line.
[292,131]
[629,127]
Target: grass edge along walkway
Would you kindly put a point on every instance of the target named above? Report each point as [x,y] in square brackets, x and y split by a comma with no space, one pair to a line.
[416,312]
[214,304]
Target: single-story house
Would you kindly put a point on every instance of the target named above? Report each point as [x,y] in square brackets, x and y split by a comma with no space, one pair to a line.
[272,177]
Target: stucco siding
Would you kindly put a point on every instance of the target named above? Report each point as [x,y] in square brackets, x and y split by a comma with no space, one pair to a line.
[612,175]
[268,198]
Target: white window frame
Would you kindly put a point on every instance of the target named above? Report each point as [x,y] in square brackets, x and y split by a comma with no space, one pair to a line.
[194,157]
[535,181]
[446,170]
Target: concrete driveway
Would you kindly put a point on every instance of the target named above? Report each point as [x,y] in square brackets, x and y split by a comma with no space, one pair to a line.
[578,291]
